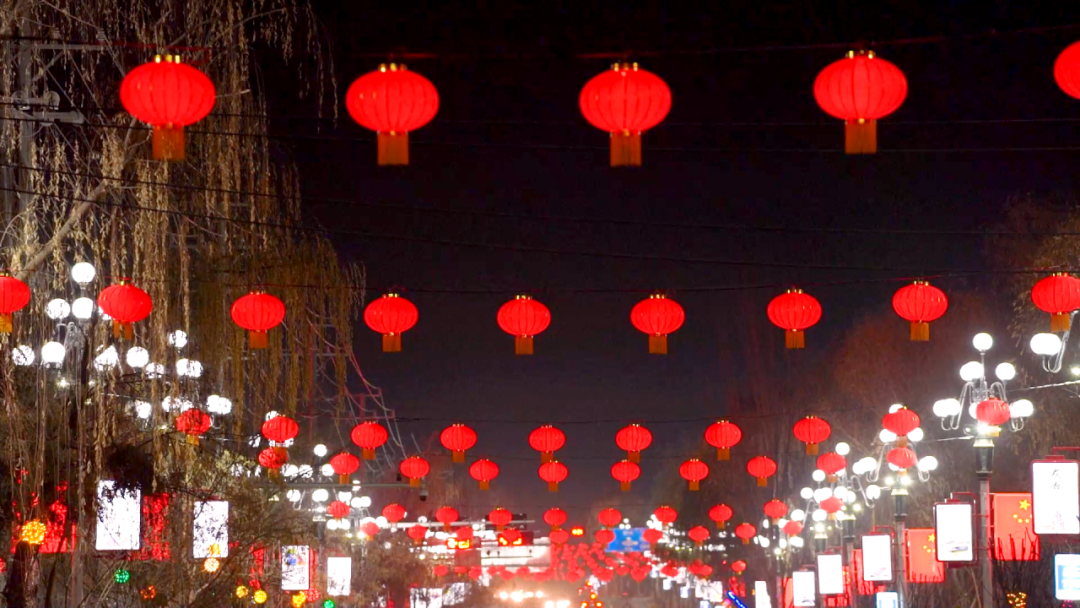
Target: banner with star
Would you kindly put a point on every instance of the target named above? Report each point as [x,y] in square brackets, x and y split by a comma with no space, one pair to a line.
[922,564]
[1012,532]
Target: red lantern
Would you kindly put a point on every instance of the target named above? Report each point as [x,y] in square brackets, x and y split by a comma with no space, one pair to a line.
[344,464]
[665,514]
[391,316]
[698,534]
[609,517]
[775,509]
[338,510]
[812,431]
[694,471]
[193,423]
[657,316]
[414,468]
[168,95]
[280,429]
[1059,295]
[393,512]
[992,412]
[745,532]
[831,463]
[14,295]
[258,312]
[392,101]
[738,566]
[1067,70]
[919,304]
[547,440]
[457,438]
[464,533]
[792,528]
[604,537]
[859,89]
[417,533]
[652,536]
[555,517]
[900,423]
[625,472]
[440,570]
[368,436]
[126,304]
[499,517]
[901,458]
[369,528]
[272,460]
[633,439]
[625,101]
[523,318]
[794,311]
[762,468]
[553,472]
[484,471]
[720,514]
[446,516]
[510,536]
[833,504]
[723,436]
[559,537]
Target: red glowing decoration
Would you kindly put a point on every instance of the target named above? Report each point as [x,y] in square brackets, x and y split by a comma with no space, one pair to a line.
[393,512]
[369,528]
[14,295]
[812,431]
[625,472]
[344,465]
[193,423]
[762,468]
[440,570]
[168,95]
[258,312]
[720,514]
[368,436]
[338,509]
[604,537]
[831,463]
[900,423]
[609,517]
[1059,295]
[414,468]
[792,528]
[446,516]
[859,89]
[665,514]
[694,471]
[510,536]
[391,316]
[547,440]
[652,536]
[392,101]
[775,509]
[919,304]
[625,101]
[992,412]
[553,472]
[832,504]
[738,566]
[417,533]
[484,471]
[457,438]
[633,438]
[698,534]
[499,517]
[901,458]
[794,311]
[464,533]
[555,517]
[745,532]
[657,316]
[126,304]
[723,436]
[1067,70]
[271,459]
[559,537]
[280,429]
[523,318]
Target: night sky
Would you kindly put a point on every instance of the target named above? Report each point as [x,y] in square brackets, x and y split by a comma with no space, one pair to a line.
[744,145]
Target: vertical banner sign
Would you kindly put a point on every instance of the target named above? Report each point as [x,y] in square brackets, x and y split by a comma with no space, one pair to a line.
[118,519]
[830,570]
[210,529]
[1067,576]
[954,531]
[804,593]
[922,563]
[1013,536]
[761,595]
[295,568]
[877,558]
[338,576]
[1055,489]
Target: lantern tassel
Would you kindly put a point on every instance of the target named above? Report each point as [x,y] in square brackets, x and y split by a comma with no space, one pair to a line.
[624,486]
[633,456]
[5,323]
[168,143]
[193,439]
[457,456]
[746,541]
[393,149]
[831,477]
[860,136]
[901,441]
[719,525]
[553,486]
[547,456]
[414,482]
[523,345]
[657,345]
[257,340]
[122,330]
[273,474]
[811,449]
[794,339]
[485,484]
[762,482]
[723,453]
[391,343]
[281,452]
[920,331]
[1059,321]
[343,479]
[626,149]
[367,454]
[695,486]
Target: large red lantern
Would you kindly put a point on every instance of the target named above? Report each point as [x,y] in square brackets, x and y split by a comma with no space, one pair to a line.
[499,517]
[900,423]
[831,463]
[168,95]
[414,468]
[555,517]
[440,570]
[625,101]
[859,89]
[652,536]
[812,431]
[417,533]
[14,295]
[1059,295]
[793,527]
[484,471]
[604,537]
[278,430]
[698,534]
[126,304]
[391,316]
[738,566]
[625,472]
[794,311]
[762,468]
[553,472]
[446,516]
[258,312]
[369,529]
[558,537]
[272,460]
[393,512]
[665,514]
[633,438]
[193,423]
[457,438]
[344,465]
[832,505]
[992,412]
[745,532]
[338,510]
[919,304]
[657,316]
[775,509]
[368,436]
[694,471]
[901,458]
[1067,70]
[392,101]
[609,517]
[547,440]
[720,514]
[723,436]
[523,318]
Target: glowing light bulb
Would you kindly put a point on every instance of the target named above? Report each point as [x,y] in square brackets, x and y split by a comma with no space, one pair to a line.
[57,309]
[82,308]
[83,273]
[22,355]
[1046,345]
[843,449]
[52,354]
[982,342]
[137,357]
[178,339]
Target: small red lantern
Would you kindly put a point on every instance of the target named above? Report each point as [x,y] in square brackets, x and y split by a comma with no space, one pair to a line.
[464,533]
[440,570]
[393,512]
[14,296]
[272,460]
[900,423]
[126,304]
[657,316]
[832,504]
[414,468]
[665,514]
[344,464]
[193,423]
[609,517]
[559,537]
[720,514]
[446,516]
[698,534]
[762,468]
[625,101]
[369,528]
[992,412]
[1067,70]
[794,311]
[499,517]
[258,313]
[547,440]
[812,431]
[919,304]
[604,537]
[391,316]
[278,430]
[168,95]
[831,463]
[484,471]
[792,528]
[625,472]
[417,533]
[775,509]
[633,439]
[1059,295]
[652,536]
[745,532]
[738,566]
[553,472]
[555,517]
[510,536]
[859,89]
[338,510]
[723,436]
[523,318]
[368,436]
[457,438]
[694,471]
[901,458]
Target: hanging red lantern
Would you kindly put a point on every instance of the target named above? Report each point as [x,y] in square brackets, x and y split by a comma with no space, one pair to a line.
[604,537]
[258,313]
[392,101]
[509,536]
[393,512]
[657,316]
[901,458]
[652,536]
[633,438]
[762,468]
[499,517]
[344,465]
[919,304]
[745,532]
[723,436]
[369,529]
[609,517]
[775,509]
[338,510]
[812,431]
[464,533]
[738,566]
[625,101]
[414,468]
[457,438]
[694,471]
[698,534]
[1067,70]
[900,423]
[440,570]
[446,516]
[559,537]
[792,528]
[833,504]
[14,296]
[194,423]
[547,440]
[168,95]
[278,430]
[859,89]
[272,460]
[553,472]
[417,533]
[126,304]
[523,318]
[625,472]
[555,517]
[1059,295]
[992,411]
[484,471]
[831,463]
[368,436]
[720,514]
[391,316]
[794,311]
[665,514]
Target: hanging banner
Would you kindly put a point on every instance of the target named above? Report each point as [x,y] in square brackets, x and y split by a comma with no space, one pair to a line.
[295,568]
[922,563]
[338,576]
[830,574]
[1067,576]
[118,522]
[954,531]
[761,595]
[804,591]
[210,529]
[1012,533]
[877,557]
[1055,489]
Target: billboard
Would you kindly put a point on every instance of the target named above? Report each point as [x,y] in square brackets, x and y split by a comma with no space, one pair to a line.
[295,567]
[210,529]
[118,518]
[877,558]
[954,531]
[1055,489]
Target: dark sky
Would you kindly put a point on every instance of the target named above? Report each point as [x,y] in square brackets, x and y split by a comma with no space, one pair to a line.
[744,145]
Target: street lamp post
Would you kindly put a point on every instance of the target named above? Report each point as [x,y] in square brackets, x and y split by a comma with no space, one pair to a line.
[984,468]
[900,495]
[847,525]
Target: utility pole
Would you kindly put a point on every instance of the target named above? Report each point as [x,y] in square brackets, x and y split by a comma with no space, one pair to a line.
[984,469]
[900,495]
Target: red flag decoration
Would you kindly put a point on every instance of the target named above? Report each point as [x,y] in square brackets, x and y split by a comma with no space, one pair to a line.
[922,564]
[1014,538]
